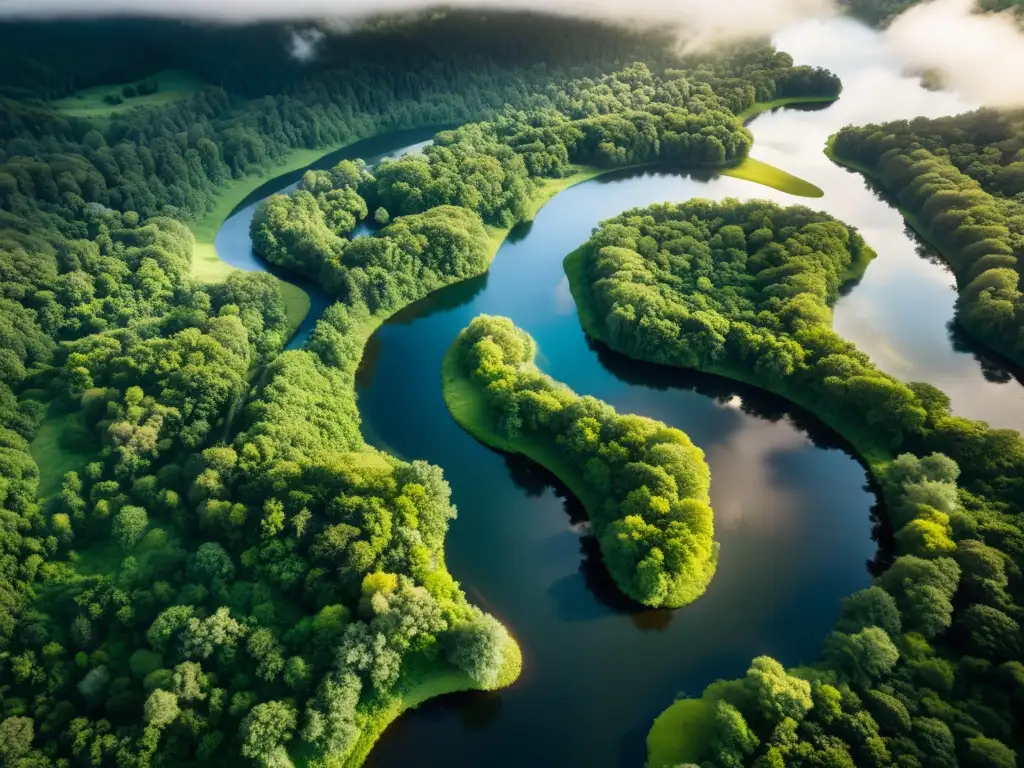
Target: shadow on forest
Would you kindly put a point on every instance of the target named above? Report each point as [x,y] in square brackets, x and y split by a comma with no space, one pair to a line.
[443,300]
[994,367]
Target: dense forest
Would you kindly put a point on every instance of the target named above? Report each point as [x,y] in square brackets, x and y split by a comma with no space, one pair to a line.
[494,168]
[284,585]
[924,667]
[225,568]
[644,484]
[881,12]
[961,182]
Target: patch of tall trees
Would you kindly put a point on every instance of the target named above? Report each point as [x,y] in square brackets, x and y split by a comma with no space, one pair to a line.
[924,666]
[646,485]
[962,179]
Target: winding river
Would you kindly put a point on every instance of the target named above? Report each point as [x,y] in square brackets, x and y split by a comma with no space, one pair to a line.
[792,510]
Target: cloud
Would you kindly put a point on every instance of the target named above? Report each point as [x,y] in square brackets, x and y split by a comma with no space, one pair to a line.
[703,20]
[979,55]
[304,43]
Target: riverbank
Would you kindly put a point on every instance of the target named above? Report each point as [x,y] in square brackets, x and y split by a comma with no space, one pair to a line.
[866,447]
[681,581]
[768,175]
[207,265]
[468,408]
[437,684]
[442,683]
[924,232]
[758,107]
[449,681]
[679,734]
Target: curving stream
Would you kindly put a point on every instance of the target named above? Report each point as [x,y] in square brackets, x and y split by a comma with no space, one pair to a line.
[792,511]
[232,241]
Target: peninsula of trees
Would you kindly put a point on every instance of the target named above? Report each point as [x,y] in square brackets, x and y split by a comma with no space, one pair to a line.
[644,485]
[924,668]
[960,182]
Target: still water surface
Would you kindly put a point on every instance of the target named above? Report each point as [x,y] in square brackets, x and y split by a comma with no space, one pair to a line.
[792,511]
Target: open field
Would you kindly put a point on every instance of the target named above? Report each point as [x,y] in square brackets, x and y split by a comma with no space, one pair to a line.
[89,103]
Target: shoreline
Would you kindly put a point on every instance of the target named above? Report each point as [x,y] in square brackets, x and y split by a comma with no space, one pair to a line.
[688,715]
[928,237]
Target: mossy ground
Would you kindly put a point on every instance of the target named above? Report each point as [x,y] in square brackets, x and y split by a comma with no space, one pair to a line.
[173,86]
[681,734]
[776,178]
[52,458]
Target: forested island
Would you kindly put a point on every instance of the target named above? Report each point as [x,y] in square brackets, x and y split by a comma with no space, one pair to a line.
[645,486]
[960,181]
[924,666]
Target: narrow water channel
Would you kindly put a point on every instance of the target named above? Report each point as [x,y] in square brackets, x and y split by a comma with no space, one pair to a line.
[793,514]
[235,247]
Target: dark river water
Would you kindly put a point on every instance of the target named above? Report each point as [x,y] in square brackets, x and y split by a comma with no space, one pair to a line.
[792,510]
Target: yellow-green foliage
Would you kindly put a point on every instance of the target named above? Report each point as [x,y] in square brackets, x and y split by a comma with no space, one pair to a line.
[644,484]
[681,734]
[776,178]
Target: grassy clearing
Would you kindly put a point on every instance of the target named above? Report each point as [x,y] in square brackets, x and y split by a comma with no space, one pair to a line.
[53,459]
[173,86]
[296,305]
[208,267]
[235,191]
[680,734]
[763,173]
[770,176]
[754,110]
